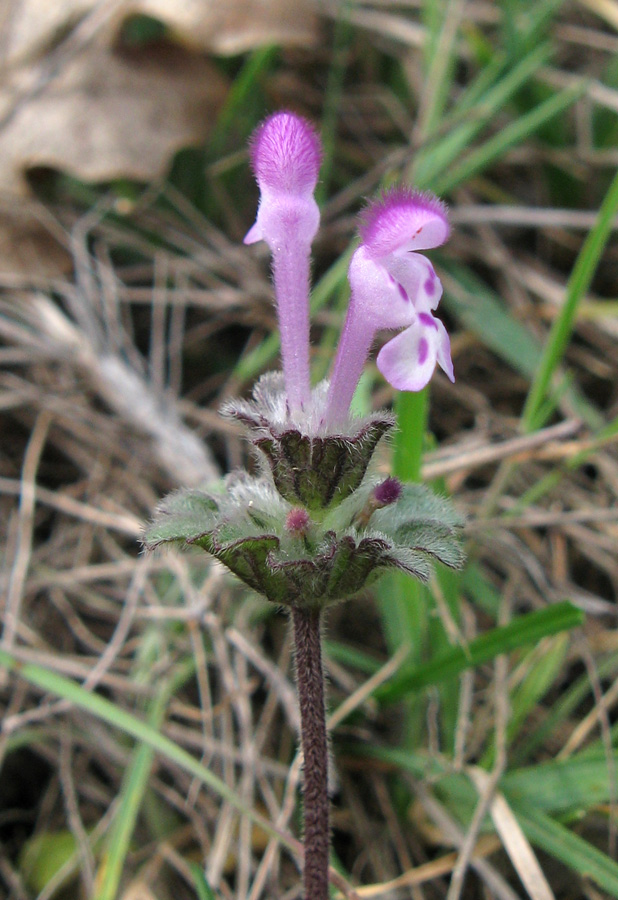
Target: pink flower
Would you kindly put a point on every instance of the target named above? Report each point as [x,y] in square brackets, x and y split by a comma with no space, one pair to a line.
[393,286]
[286,156]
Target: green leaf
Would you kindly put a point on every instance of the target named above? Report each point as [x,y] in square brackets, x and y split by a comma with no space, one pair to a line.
[579,282]
[182,516]
[514,133]
[204,890]
[44,855]
[524,630]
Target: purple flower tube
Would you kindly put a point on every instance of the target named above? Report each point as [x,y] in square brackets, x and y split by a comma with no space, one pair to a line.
[286,156]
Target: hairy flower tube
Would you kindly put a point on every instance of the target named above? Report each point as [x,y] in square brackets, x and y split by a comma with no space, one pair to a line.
[286,156]
[393,287]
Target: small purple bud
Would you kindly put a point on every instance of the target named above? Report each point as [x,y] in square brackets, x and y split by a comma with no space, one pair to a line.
[297,521]
[387,492]
[383,494]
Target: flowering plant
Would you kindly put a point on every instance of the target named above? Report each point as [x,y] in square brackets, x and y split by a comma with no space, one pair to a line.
[315,526]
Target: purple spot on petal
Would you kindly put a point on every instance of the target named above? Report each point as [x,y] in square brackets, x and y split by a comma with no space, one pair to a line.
[423,350]
[403,293]
[392,280]
[427,320]
[430,287]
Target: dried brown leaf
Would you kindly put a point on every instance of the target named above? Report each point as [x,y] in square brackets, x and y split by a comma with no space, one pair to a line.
[109,115]
[27,247]
[227,28]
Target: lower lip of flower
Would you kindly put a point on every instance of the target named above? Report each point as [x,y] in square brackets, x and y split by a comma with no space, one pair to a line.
[423,350]
[427,320]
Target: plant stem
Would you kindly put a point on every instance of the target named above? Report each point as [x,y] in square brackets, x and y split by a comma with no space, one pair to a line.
[310,683]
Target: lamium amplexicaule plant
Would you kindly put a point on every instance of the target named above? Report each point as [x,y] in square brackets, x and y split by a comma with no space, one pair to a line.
[315,525]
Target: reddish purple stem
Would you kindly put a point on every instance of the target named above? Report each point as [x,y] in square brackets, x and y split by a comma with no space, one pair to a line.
[310,682]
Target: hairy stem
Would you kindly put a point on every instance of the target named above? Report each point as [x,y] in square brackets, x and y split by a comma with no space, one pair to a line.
[310,681]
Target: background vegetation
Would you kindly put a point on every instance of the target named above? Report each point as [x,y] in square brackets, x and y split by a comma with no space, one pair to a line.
[149,721]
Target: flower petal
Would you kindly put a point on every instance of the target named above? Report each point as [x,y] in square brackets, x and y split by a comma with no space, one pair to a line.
[286,154]
[284,219]
[418,278]
[377,298]
[444,351]
[401,220]
[409,359]
[255,233]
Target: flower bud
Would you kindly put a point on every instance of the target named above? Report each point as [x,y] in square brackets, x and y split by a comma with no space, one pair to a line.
[297,522]
[387,492]
[286,156]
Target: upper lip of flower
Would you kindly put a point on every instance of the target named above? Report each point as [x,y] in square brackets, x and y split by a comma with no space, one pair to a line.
[286,154]
[403,219]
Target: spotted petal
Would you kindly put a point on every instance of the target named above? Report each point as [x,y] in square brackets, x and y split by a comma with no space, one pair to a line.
[417,277]
[409,359]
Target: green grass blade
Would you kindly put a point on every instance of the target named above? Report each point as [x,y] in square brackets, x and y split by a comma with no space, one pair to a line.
[579,283]
[569,786]
[573,851]
[135,784]
[342,40]
[481,310]
[442,21]
[132,792]
[412,410]
[351,657]
[480,104]
[524,630]
[546,662]
[575,785]
[514,133]
[552,479]
[93,704]
[204,890]
[239,94]
[565,787]
[558,714]
[403,602]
